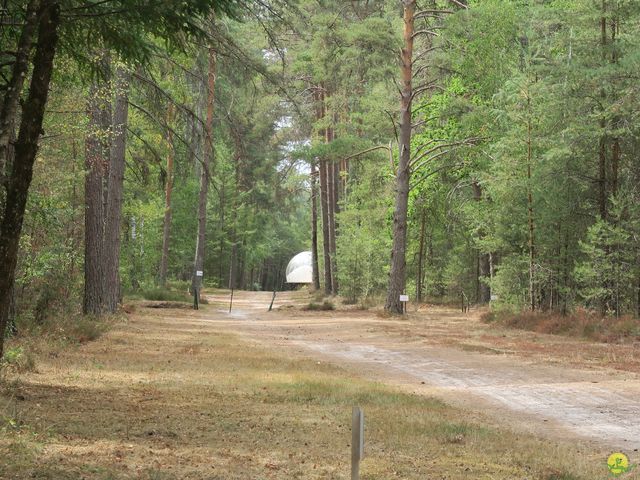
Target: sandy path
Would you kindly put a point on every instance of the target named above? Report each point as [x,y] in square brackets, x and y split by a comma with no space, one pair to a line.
[539,394]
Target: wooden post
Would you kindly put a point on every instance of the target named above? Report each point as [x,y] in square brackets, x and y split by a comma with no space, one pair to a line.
[357,441]
[272,299]
[231,301]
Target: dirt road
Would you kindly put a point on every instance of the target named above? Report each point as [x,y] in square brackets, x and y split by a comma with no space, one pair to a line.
[558,387]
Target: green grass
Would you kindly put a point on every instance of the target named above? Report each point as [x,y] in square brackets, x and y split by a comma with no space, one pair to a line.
[326,305]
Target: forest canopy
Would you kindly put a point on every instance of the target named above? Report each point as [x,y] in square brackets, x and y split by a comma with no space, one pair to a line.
[484,149]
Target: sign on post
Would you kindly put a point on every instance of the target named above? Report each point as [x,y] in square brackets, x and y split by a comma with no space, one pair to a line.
[357,441]
[404,299]
[199,273]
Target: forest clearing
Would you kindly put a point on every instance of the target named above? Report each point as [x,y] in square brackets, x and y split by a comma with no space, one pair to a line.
[226,225]
[178,393]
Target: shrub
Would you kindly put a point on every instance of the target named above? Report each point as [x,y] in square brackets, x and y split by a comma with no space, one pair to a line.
[164,295]
[581,323]
[17,359]
[326,305]
[86,329]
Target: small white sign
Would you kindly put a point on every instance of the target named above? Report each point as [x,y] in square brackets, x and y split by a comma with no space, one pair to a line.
[198,273]
[494,298]
[404,298]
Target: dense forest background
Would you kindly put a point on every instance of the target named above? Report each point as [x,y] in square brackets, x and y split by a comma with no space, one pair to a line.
[242,135]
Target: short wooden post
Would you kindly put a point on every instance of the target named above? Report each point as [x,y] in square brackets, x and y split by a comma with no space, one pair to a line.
[231,301]
[196,298]
[357,441]
[272,299]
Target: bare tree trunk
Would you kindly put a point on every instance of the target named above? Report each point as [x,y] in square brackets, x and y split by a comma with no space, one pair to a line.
[26,148]
[602,150]
[204,177]
[331,220]
[314,226]
[95,165]
[166,230]
[532,298]
[397,274]
[324,195]
[111,243]
[615,149]
[335,207]
[324,204]
[419,276]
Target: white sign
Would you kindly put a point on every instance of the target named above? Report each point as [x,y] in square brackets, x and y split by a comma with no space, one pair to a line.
[494,298]
[198,273]
[404,298]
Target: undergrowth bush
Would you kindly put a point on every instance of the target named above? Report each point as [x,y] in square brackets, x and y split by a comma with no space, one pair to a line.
[18,359]
[164,295]
[582,323]
[326,305]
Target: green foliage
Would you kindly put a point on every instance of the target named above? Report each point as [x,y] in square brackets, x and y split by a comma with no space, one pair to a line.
[607,275]
[364,241]
[160,294]
[19,360]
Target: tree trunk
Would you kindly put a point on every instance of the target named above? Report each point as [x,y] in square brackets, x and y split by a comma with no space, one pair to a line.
[532,298]
[111,242]
[95,165]
[419,276]
[314,226]
[397,274]
[602,147]
[324,203]
[11,98]
[26,148]
[204,176]
[166,229]
[334,223]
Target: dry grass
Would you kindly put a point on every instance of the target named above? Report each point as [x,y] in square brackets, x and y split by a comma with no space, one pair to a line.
[172,398]
[581,324]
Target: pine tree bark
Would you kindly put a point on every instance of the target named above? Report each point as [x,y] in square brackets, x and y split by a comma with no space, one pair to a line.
[333,187]
[421,251]
[334,224]
[324,196]
[397,274]
[314,227]
[95,164]
[532,254]
[115,184]
[324,205]
[207,155]
[602,147]
[11,98]
[26,147]
[166,227]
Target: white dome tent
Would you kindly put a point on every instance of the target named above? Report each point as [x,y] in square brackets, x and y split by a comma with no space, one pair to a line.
[300,269]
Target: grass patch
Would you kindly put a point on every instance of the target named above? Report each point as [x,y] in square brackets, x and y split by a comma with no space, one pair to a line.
[581,324]
[324,306]
[165,295]
[18,360]
[164,397]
